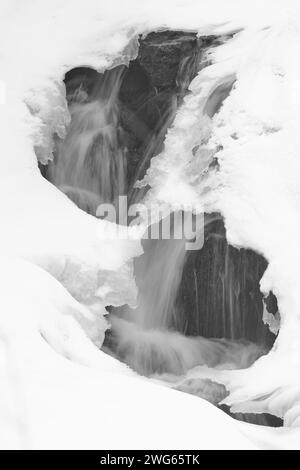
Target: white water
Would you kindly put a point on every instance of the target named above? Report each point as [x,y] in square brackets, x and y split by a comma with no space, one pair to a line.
[158,274]
[158,351]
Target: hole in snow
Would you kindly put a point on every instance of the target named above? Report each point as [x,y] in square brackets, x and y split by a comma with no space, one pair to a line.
[195,308]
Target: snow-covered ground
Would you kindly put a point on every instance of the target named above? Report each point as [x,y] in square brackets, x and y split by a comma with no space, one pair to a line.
[58,270]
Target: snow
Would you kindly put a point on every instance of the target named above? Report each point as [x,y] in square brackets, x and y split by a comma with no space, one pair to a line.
[59,391]
[57,270]
[256,189]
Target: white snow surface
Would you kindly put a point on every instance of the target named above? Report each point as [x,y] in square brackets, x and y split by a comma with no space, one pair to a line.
[58,271]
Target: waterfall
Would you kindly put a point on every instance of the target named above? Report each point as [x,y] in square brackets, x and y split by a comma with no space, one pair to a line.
[190,309]
[154,337]
[158,274]
[90,164]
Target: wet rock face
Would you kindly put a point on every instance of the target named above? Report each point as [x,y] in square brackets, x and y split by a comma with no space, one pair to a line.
[80,78]
[152,89]
[161,54]
[219,294]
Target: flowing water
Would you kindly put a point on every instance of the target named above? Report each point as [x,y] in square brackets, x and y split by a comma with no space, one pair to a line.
[90,167]
[152,337]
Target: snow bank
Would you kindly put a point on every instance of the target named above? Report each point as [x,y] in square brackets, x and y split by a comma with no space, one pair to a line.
[57,272]
[59,391]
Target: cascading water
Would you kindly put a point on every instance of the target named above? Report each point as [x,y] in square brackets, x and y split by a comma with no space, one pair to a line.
[192,306]
[90,164]
[150,338]
[162,336]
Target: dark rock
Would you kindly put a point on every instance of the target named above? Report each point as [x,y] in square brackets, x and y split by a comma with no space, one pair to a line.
[161,53]
[219,294]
